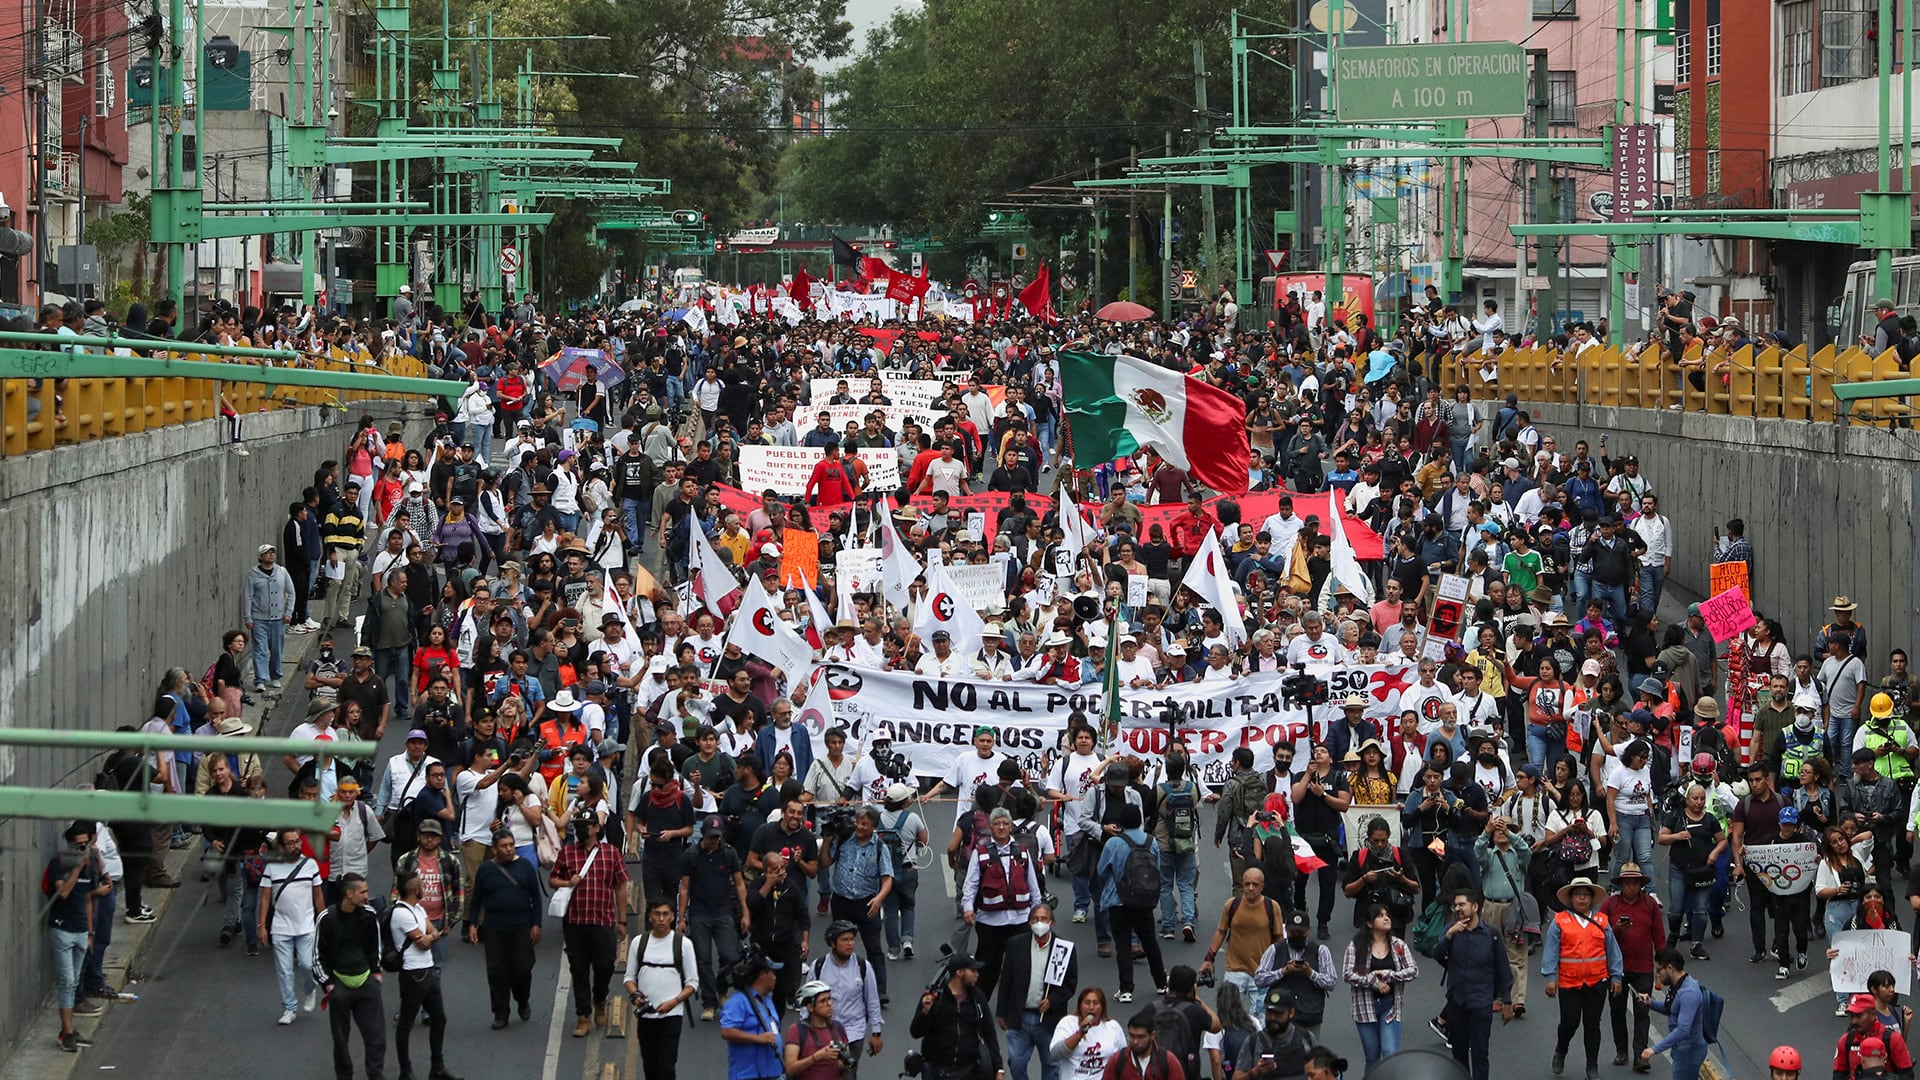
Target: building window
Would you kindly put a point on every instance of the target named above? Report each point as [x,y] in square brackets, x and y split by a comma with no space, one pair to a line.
[1846,42]
[1563,95]
[1713,172]
[103,88]
[1555,9]
[1713,50]
[1682,57]
[1796,47]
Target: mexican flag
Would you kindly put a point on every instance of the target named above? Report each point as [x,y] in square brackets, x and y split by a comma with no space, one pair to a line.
[1118,404]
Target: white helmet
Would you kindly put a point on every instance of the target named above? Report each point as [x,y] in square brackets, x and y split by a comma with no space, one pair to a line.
[808,991]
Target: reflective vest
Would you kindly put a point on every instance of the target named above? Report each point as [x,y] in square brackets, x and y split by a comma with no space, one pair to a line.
[1795,749]
[1001,890]
[1884,743]
[1583,949]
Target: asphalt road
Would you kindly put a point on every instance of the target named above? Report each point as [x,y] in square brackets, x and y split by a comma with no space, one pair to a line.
[203,1005]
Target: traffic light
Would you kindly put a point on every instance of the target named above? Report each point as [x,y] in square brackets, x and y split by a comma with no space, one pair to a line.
[719,246]
[993,216]
[890,244]
[688,217]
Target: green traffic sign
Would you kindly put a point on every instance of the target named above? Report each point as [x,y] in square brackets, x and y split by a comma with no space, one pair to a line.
[1448,81]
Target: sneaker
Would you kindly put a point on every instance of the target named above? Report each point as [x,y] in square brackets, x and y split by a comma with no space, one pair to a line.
[286,1017]
[141,914]
[707,1014]
[86,1007]
[310,1000]
[1186,933]
[1440,1029]
[299,628]
[1780,973]
[1161,990]
[69,1041]
[310,625]
[906,948]
[259,688]
[1839,1010]
[1801,964]
[1167,935]
[240,451]
[1719,929]
[227,935]
[1760,957]
[1079,915]
[1698,952]
[1125,997]
[893,955]
[81,1040]
[253,950]
[274,685]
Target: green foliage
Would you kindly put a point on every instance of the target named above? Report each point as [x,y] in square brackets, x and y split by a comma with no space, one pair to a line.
[961,102]
[122,241]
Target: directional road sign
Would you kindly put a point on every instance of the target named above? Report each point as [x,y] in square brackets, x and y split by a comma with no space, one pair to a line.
[1449,81]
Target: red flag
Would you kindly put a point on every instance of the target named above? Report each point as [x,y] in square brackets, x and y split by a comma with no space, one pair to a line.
[873,269]
[802,288]
[1036,297]
[906,288]
[884,338]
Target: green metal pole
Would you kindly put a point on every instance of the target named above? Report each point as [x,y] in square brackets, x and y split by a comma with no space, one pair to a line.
[1453,199]
[1883,257]
[1203,139]
[1166,222]
[1546,207]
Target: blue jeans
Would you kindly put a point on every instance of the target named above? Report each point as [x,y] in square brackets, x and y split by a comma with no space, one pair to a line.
[69,957]
[1689,903]
[1840,731]
[1459,448]
[394,664]
[1378,1039]
[1021,1043]
[269,642]
[1635,844]
[1049,428]
[569,522]
[1537,746]
[636,513]
[676,392]
[94,976]
[1580,590]
[1687,1060]
[1722,886]
[1182,871]
[292,960]
[243,903]
[1615,599]
[1250,995]
[481,436]
[897,913]
[1838,912]
[1652,579]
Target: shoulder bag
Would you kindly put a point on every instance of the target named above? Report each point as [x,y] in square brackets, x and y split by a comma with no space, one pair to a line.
[563,896]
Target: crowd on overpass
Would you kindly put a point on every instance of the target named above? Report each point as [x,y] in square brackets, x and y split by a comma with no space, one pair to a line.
[653,702]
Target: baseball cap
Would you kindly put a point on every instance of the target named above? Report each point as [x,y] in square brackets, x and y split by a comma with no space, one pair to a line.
[430,827]
[416,733]
[1789,816]
[264,548]
[1860,1003]
[942,635]
[713,826]
[1299,921]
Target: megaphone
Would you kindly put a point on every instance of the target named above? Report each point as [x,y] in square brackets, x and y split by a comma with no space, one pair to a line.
[1086,608]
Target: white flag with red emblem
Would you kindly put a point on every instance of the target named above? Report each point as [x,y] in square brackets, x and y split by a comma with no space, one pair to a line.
[1077,533]
[816,714]
[1207,577]
[817,623]
[712,582]
[944,607]
[898,568]
[760,632]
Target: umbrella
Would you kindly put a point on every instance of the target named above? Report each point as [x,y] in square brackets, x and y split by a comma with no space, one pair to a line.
[1124,311]
[570,368]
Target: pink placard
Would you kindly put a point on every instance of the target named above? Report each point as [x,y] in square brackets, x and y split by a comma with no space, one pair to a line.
[1727,613]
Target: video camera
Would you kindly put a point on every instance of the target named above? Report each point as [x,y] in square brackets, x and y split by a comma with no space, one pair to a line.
[1301,689]
[835,822]
[891,764]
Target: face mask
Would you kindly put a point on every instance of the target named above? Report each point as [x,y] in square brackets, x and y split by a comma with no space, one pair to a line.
[1803,724]
[1489,760]
[326,653]
[1041,929]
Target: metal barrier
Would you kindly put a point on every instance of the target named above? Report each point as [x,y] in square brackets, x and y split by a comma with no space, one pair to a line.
[40,413]
[1764,383]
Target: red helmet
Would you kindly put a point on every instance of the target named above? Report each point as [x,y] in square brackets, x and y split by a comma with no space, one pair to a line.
[1703,763]
[1784,1058]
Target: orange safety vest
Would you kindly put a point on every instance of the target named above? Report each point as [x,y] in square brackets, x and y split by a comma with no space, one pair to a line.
[1579,695]
[1583,949]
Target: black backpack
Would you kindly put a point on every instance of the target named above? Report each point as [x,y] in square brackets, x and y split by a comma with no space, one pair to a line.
[1139,881]
[391,958]
[1174,1034]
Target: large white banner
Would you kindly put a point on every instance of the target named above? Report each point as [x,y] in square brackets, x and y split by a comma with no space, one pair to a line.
[895,416]
[933,720]
[919,392]
[786,469]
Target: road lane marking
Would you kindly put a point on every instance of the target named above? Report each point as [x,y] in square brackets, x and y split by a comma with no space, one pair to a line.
[556,1027]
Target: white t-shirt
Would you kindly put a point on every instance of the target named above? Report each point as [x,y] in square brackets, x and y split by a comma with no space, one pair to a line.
[308,731]
[653,973]
[1088,1061]
[969,771]
[406,919]
[293,911]
[1073,776]
[476,807]
[1327,650]
[1636,787]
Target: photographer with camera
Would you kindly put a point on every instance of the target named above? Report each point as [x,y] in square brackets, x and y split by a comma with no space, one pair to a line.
[750,1023]
[777,917]
[818,1047]
[662,977]
[591,916]
[860,869]
[955,1026]
[901,828]
[855,982]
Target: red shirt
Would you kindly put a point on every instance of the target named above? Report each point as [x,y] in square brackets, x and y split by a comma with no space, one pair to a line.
[1846,1056]
[829,485]
[1189,531]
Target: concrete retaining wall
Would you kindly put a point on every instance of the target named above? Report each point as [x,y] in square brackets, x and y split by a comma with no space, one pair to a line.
[1830,509]
[125,558]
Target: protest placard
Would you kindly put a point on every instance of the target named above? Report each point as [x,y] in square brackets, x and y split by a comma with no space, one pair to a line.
[1727,614]
[1863,952]
[859,570]
[785,469]
[1722,576]
[799,558]
[982,586]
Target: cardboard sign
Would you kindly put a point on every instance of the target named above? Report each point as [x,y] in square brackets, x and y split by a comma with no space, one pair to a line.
[1136,590]
[799,558]
[859,570]
[1727,614]
[1863,952]
[786,469]
[1358,815]
[981,585]
[1728,575]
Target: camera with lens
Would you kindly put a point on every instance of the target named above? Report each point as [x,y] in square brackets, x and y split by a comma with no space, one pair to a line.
[840,1051]
[891,764]
[835,823]
[742,971]
[1204,978]
[641,1006]
[914,1065]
